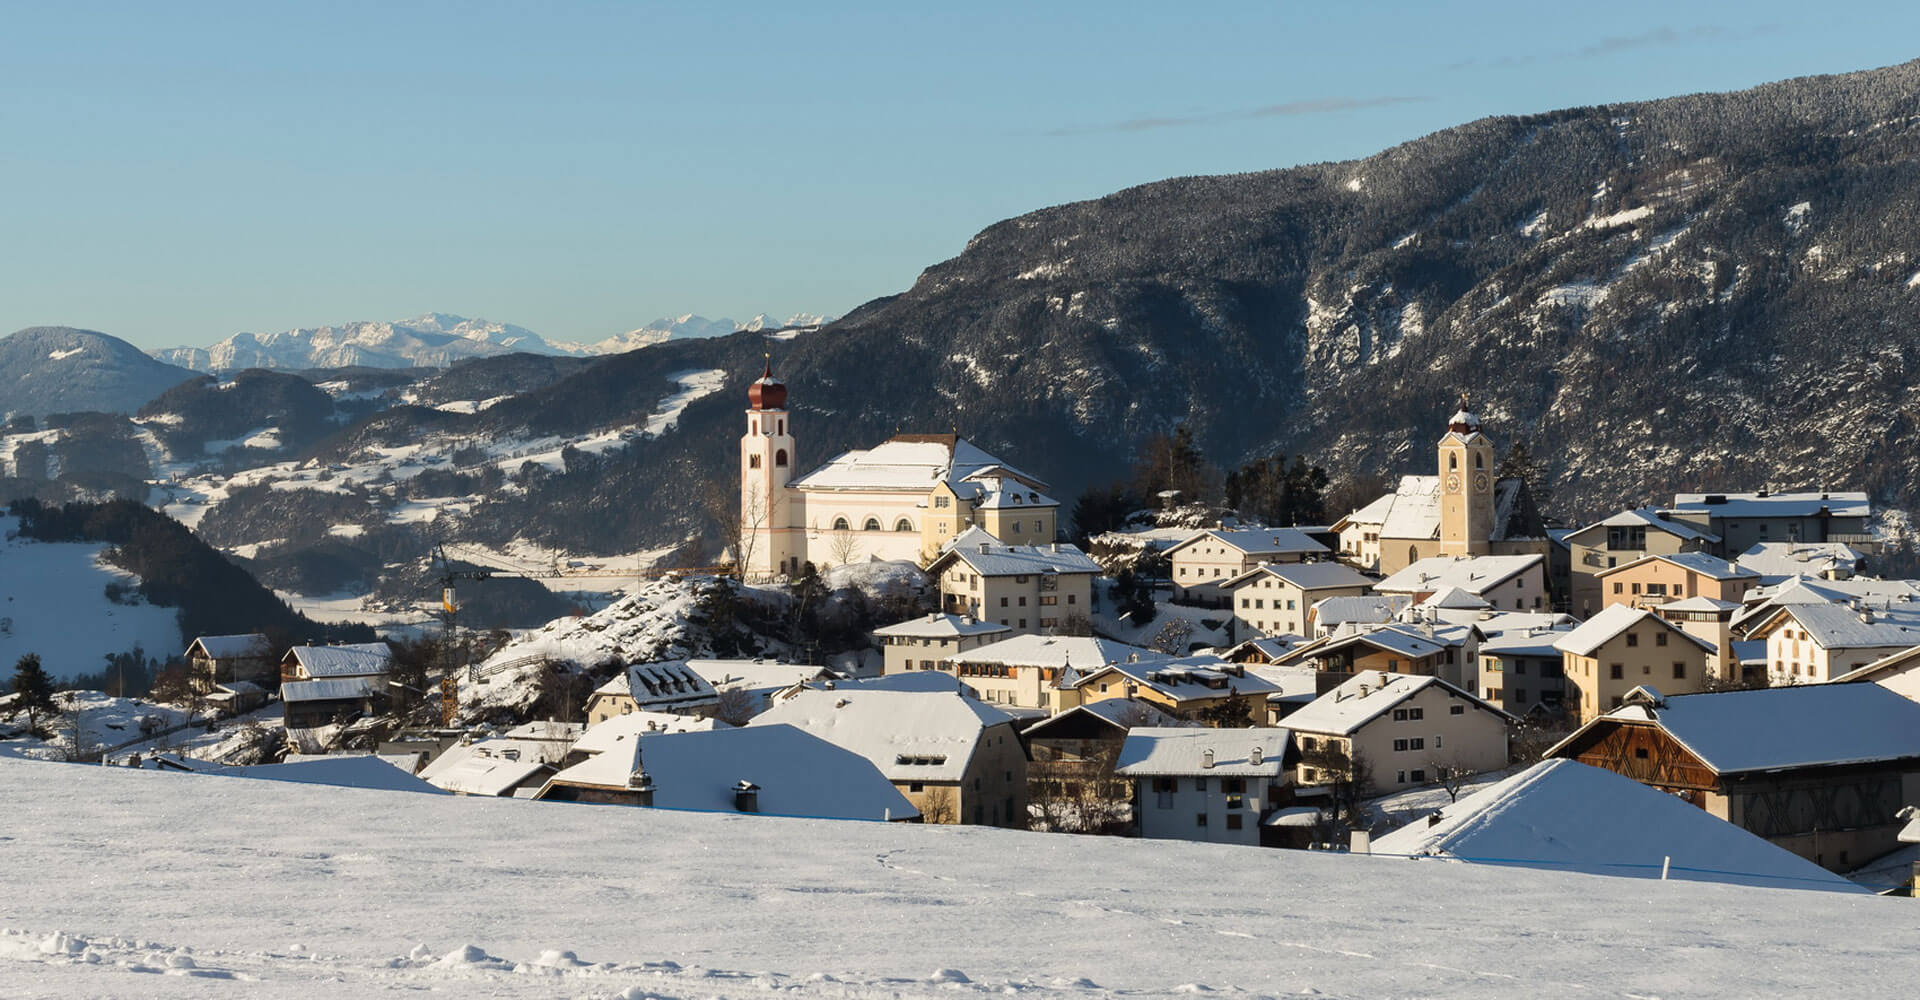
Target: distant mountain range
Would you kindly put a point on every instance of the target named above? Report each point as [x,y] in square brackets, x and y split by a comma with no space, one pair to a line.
[436,340]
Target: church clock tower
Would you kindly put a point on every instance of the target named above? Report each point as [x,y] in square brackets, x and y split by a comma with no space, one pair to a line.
[766,465]
[1466,486]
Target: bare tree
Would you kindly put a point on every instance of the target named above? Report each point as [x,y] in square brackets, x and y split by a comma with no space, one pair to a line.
[1450,775]
[737,706]
[842,546]
[1349,778]
[937,806]
[739,516]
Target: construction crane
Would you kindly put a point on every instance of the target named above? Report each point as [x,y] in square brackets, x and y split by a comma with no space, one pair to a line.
[450,602]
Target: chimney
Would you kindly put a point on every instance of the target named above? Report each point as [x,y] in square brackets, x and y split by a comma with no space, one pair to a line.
[746,796]
[1254,756]
[1206,758]
[640,783]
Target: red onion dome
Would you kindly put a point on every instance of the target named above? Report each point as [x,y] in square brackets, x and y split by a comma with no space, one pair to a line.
[767,392]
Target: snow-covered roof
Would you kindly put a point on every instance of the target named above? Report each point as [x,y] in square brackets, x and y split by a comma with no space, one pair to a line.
[344,770]
[618,730]
[1709,566]
[1806,725]
[1373,513]
[1537,641]
[1648,517]
[1779,560]
[1228,753]
[1405,638]
[1201,677]
[1416,509]
[1119,713]
[756,675]
[1455,599]
[939,626]
[332,689]
[1291,682]
[1613,620]
[910,463]
[231,647]
[1258,541]
[798,774]
[987,556]
[360,659]
[1331,612]
[1700,604]
[1837,626]
[1083,652]
[908,735]
[1270,646]
[488,767]
[1002,493]
[1368,695]
[1475,575]
[1306,576]
[661,687]
[1567,816]
[1753,505]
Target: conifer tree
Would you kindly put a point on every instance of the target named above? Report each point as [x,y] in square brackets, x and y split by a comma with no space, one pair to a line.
[35,688]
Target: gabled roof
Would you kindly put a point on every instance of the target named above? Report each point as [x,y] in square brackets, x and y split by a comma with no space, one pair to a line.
[1694,562]
[1567,816]
[360,659]
[1416,509]
[1202,677]
[1455,598]
[1613,620]
[1648,517]
[1837,626]
[1404,638]
[1895,663]
[939,626]
[342,770]
[1373,513]
[910,463]
[231,647]
[986,556]
[1368,695]
[1270,646]
[1700,603]
[1525,641]
[756,675]
[1002,493]
[1114,714]
[1779,560]
[1475,575]
[1258,541]
[1752,505]
[1368,609]
[620,730]
[488,767]
[1306,576]
[1085,653]
[1809,725]
[332,689]
[1227,753]
[908,735]
[666,686]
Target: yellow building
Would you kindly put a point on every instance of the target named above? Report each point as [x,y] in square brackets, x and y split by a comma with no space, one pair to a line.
[1622,648]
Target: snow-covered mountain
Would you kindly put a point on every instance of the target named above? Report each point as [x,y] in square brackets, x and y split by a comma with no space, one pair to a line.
[58,369]
[691,327]
[434,340]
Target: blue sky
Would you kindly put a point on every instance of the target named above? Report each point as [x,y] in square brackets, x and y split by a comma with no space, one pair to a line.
[177,173]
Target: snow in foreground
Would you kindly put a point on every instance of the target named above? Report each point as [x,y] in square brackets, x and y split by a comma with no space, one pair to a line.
[125,883]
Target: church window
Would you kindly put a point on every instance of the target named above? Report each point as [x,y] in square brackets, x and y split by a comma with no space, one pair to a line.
[840,524]
[903,525]
[780,458]
[753,461]
[1479,460]
[783,427]
[873,524]
[755,428]
[1453,461]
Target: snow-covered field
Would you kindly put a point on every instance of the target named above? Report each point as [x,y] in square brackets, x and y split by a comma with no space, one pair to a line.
[122,883]
[45,588]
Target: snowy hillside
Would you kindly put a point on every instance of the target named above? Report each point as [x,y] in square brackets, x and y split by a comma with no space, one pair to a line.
[53,601]
[232,887]
[689,327]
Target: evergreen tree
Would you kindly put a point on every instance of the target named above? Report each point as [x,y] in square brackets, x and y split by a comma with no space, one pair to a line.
[35,688]
[1520,464]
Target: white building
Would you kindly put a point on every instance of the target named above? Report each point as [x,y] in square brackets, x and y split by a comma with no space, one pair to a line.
[1404,728]
[1210,785]
[921,643]
[1027,588]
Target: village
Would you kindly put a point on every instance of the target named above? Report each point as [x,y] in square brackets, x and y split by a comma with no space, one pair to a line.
[1713,688]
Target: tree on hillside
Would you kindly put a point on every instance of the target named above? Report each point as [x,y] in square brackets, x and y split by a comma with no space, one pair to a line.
[35,688]
[1174,462]
[1271,491]
[1102,508]
[1520,464]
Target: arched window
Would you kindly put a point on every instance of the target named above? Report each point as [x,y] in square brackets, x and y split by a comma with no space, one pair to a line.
[754,426]
[1453,461]
[783,426]
[840,524]
[753,461]
[903,525]
[780,458]
[873,524]
[1479,460]
[1413,554]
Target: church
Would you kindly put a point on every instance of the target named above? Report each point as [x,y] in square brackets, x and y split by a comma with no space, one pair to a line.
[901,500]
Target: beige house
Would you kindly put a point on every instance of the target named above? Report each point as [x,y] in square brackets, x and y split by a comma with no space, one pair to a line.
[1624,538]
[1403,729]
[921,643]
[670,687]
[1521,671]
[1203,688]
[1651,581]
[1274,599]
[1204,563]
[1027,588]
[1424,648]
[1622,648]
[1025,671]
[213,660]
[902,500]
[1899,673]
[1359,533]
[1743,520]
[1816,643]
[955,758]
[1507,582]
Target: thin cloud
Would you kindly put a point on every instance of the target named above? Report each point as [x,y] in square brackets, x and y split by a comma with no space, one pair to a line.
[1665,35]
[1288,109]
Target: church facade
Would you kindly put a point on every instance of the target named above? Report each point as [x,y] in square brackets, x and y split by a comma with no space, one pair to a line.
[901,500]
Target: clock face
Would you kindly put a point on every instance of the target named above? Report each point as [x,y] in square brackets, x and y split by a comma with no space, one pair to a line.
[1453,482]
[1479,482]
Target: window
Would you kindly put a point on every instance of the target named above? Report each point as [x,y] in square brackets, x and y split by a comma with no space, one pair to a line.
[1199,784]
[1616,586]
[1660,639]
[1003,602]
[1399,746]
[1306,743]
[1417,743]
[1436,739]
[1615,671]
[1419,775]
[753,461]
[1457,710]
[1640,753]
[916,787]
[1633,639]
[903,525]
[942,502]
[780,459]
[1023,601]
[1200,819]
[1520,667]
[1233,786]
[1679,671]
[1519,698]
[1233,821]
[840,524]
[873,524]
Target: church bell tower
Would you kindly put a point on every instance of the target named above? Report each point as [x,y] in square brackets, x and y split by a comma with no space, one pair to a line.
[766,465]
[1466,486]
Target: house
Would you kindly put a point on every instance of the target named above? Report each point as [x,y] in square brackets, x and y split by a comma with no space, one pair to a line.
[1397,730]
[236,697]
[1622,648]
[1209,785]
[1203,688]
[1521,670]
[513,766]
[1026,588]
[902,500]
[213,660]
[1623,538]
[1517,582]
[1562,815]
[1816,643]
[328,685]
[1263,649]
[1072,784]
[1743,520]
[1424,648]
[919,643]
[1359,533]
[1899,673]
[1651,581]
[1821,770]
[758,682]
[1272,599]
[1711,621]
[669,686]
[1206,560]
[1024,671]
[955,758]
[1465,510]
[1332,614]
[774,770]
[1761,602]
[1777,561]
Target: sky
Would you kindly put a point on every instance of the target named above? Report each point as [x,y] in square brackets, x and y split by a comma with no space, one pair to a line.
[176,173]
